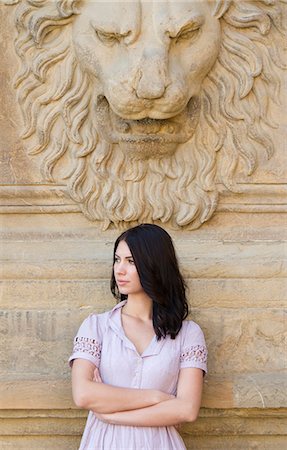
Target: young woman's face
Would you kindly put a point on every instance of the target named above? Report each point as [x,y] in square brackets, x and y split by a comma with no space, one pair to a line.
[125,271]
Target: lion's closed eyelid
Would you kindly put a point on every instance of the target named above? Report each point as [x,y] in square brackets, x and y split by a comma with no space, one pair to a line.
[187,34]
[190,27]
[108,36]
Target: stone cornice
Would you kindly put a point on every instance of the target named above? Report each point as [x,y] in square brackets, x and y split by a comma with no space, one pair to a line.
[45,198]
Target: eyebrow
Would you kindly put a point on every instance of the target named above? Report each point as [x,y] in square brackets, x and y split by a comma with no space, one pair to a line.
[128,256]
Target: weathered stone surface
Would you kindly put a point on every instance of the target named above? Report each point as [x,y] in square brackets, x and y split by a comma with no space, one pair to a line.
[191,124]
[236,442]
[55,263]
[91,259]
[218,293]
[15,166]
[44,442]
[238,429]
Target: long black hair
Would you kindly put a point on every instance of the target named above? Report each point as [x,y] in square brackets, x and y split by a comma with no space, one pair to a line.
[157,266]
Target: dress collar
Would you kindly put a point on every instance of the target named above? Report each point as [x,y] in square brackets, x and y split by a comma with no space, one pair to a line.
[115,323]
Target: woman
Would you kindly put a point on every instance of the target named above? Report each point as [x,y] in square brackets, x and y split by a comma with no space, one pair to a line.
[139,367]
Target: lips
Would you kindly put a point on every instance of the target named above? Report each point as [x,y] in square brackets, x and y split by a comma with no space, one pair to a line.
[121,282]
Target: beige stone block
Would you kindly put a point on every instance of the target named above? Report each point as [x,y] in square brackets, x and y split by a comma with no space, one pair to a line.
[93,293]
[239,341]
[84,259]
[224,226]
[219,392]
[232,422]
[46,442]
[27,426]
[244,340]
[52,393]
[261,390]
[235,442]
[247,391]
[235,293]
[51,294]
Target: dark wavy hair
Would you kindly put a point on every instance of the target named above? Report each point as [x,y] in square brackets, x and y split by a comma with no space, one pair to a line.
[156,262]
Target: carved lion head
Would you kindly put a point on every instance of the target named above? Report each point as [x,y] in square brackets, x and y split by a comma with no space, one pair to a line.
[137,98]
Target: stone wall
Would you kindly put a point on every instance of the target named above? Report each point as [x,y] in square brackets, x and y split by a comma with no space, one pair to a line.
[55,266]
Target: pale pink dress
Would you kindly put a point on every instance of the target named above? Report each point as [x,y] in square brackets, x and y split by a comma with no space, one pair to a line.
[101,340]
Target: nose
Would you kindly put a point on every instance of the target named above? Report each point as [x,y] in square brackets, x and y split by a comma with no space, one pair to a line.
[120,268]
[151,78]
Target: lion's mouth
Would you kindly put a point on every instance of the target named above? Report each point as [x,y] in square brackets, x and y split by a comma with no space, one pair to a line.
[136,136]
[146,129]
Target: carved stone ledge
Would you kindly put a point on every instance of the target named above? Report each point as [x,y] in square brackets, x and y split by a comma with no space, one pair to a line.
[47,199]
[213,430]
[36,199]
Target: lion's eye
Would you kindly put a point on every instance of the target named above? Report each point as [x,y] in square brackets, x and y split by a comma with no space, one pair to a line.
[107,38]
[110,38]
[188,33]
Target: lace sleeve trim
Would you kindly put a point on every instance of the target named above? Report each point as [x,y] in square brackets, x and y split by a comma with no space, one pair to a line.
[87,345]
[194,353]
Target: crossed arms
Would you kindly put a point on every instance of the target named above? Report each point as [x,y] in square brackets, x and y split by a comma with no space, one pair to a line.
[136,407]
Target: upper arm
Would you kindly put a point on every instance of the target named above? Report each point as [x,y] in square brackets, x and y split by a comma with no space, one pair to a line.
[189,387]
[82,370]
[193,348]
[190,383]
[88,341]
[82,373]
[193,366]
[85,357]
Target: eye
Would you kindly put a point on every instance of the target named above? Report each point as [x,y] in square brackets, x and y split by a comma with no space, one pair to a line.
[188,33]
[107,38]
[116,260]
[110,38]
[131,261]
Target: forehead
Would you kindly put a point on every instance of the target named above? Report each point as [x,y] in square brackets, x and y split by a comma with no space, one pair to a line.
[132,10]
[123,249]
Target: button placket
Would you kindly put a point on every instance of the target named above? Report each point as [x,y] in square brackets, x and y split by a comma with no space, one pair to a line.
[138,372]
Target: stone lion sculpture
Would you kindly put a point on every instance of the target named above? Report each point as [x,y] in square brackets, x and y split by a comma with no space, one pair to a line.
[148,104]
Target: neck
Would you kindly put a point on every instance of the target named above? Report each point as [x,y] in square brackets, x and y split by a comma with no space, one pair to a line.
[139,307]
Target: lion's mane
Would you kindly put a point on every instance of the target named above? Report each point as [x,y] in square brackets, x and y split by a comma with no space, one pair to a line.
[57,97]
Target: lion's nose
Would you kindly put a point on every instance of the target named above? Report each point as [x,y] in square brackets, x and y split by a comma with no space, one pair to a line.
[151,78]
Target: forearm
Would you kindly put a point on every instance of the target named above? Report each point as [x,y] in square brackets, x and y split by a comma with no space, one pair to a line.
[166,413]
[89,392]
[104,398]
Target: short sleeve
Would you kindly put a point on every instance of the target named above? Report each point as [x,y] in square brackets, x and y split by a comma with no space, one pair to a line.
[88,341]
[193,348]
